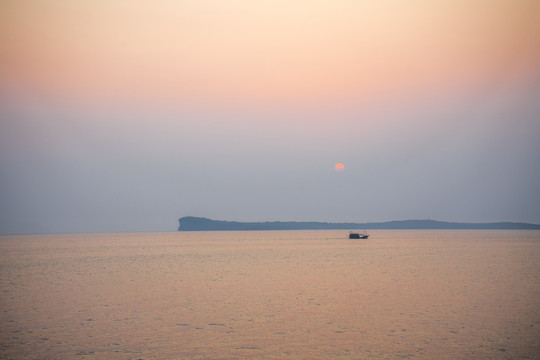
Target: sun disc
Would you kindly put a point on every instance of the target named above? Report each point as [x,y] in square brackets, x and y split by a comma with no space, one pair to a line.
[339,167]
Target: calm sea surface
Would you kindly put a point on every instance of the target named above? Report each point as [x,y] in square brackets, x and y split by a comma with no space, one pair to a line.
[271,295]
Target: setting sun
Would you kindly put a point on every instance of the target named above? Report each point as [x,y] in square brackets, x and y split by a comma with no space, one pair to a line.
[339,167]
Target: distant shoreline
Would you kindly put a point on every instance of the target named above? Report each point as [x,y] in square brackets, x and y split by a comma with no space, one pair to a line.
[191,223]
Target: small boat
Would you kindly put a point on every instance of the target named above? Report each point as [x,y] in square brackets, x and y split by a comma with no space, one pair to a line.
[355,235]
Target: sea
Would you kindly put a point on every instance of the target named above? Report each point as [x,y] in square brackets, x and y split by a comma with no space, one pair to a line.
[400,294]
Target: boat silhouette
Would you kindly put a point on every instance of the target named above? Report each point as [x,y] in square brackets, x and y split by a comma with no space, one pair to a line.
[356,235]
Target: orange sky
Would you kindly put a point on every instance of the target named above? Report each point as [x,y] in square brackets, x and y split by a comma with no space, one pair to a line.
[249,51]
[240,109]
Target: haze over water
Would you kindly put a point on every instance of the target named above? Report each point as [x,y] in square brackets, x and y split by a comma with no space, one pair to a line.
[122,116]
[272,295]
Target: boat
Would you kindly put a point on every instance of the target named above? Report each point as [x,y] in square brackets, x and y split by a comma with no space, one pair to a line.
[356,235]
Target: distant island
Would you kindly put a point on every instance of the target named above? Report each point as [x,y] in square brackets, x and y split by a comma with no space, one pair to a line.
[191,223]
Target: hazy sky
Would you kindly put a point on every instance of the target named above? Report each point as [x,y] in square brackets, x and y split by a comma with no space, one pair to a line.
[120,115]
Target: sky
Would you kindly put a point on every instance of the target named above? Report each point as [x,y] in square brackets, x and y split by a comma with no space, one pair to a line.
[120,115]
